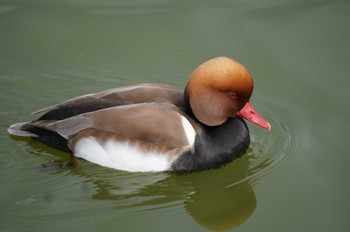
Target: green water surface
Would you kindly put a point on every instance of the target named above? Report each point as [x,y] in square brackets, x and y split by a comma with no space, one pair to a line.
[294,178]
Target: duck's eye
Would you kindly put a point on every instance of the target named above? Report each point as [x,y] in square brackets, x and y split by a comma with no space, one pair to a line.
[233,95]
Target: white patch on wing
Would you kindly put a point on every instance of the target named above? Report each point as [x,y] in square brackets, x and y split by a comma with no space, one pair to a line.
[119,155]
[189,130]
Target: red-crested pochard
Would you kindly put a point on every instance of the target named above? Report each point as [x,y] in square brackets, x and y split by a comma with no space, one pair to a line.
[154,127]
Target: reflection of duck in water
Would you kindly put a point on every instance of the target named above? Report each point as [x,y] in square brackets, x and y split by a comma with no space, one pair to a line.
[154,127]
[226,202]
[218,199]
[213,210]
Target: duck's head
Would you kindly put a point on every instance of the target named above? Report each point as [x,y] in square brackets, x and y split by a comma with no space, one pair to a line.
[221,88]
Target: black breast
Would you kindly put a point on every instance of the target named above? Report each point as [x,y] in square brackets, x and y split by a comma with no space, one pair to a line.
[216,146]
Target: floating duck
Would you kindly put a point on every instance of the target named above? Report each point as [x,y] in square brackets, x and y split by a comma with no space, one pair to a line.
[156,127]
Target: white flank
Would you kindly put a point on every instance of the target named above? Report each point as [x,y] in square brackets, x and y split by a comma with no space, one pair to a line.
[119,155]
[189,130]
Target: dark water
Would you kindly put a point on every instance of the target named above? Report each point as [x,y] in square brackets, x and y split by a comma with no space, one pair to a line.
[294,178]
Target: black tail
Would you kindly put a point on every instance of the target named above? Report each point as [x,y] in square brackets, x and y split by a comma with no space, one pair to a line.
[25,129]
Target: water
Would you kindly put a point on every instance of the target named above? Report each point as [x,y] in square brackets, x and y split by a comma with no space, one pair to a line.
[292,178]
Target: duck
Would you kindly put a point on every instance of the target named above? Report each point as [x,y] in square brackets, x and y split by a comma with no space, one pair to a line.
[156,127]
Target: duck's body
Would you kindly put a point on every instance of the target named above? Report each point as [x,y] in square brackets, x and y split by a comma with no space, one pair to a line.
[149,127]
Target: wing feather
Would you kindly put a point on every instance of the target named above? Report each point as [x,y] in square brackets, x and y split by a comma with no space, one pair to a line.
[157,123]
[113,97]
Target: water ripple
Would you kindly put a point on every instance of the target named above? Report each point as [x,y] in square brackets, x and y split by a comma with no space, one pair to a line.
[269,150]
